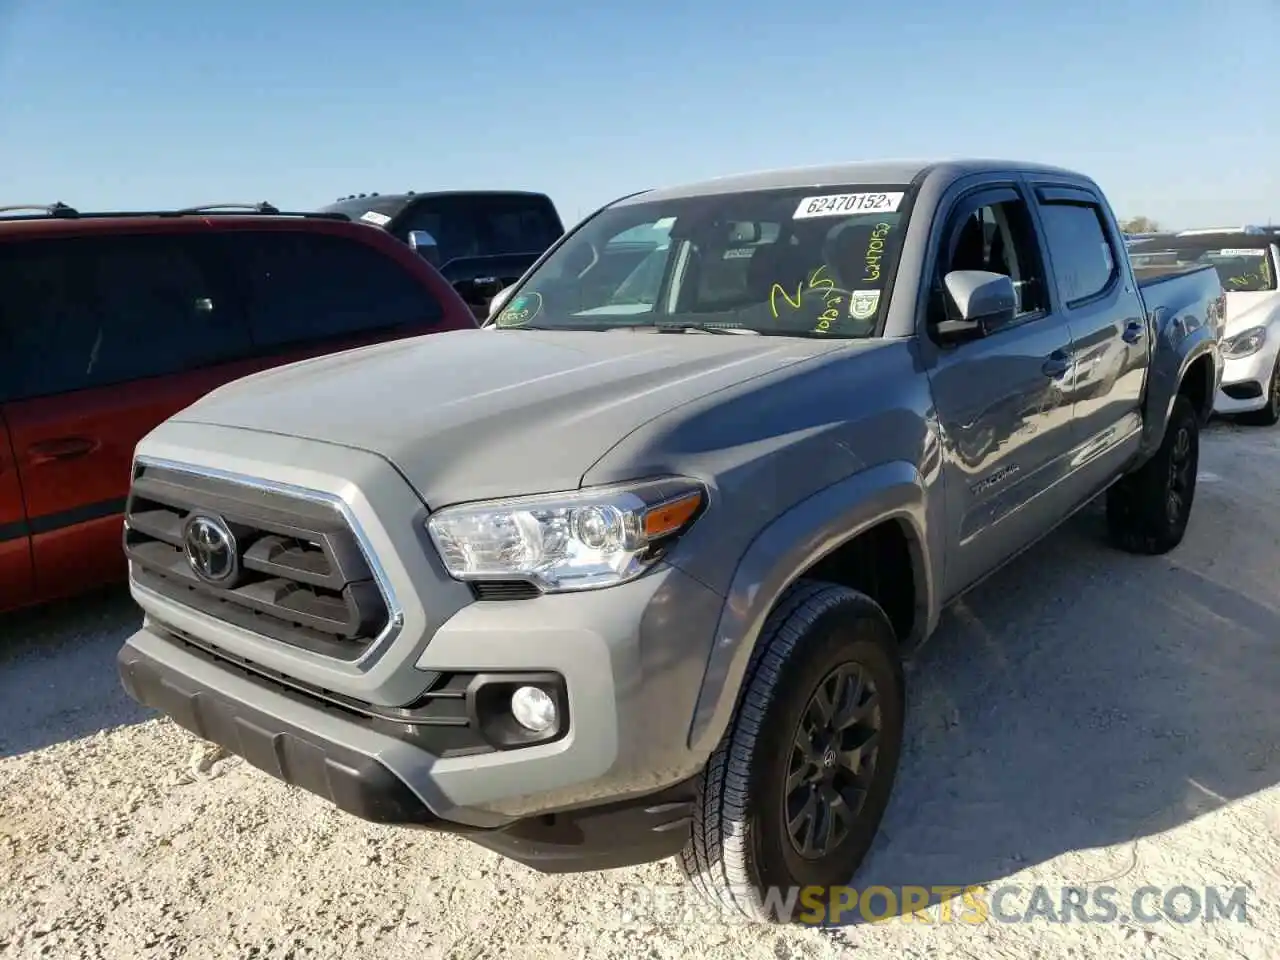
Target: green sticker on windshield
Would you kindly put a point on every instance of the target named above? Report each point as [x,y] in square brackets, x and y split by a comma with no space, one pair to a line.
[521,310]
[863,304]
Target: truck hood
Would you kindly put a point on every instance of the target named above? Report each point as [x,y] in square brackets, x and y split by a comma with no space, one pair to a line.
[1245,310]
[472,414]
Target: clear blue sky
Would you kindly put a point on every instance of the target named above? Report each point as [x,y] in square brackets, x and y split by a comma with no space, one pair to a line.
[1173,106]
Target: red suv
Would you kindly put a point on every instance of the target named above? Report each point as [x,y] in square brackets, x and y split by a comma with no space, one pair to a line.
[110,323]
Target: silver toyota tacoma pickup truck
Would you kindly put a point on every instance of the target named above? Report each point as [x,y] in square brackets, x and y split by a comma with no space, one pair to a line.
[630,571]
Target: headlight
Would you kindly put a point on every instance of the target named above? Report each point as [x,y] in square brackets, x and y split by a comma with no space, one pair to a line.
[577,540]
[1245,343]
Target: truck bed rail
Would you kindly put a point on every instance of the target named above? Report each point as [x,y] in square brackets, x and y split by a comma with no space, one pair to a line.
[1148,277]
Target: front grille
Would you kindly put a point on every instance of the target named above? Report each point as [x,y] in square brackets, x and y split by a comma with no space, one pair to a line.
[302,577]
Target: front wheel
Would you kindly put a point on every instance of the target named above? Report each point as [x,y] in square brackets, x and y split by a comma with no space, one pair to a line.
[1148,510]
[1269,415]
[794,794]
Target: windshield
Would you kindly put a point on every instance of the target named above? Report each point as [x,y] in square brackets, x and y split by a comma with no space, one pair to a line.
[1243,264]
[797,262]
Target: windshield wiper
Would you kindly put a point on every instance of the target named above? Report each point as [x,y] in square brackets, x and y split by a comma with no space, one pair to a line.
[673,327]
[534,326]
[632,327]
[670,327]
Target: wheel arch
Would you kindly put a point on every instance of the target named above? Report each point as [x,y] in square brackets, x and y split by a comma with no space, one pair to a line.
[886,503]
[1198,384]
[1192,367]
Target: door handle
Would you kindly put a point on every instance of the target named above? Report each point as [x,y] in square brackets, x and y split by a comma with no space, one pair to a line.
[1133,331]
[61,448]
[1057,364]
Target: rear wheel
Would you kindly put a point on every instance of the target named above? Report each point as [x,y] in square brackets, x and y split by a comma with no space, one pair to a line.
[1269,415]
[1148,511]
[794,794]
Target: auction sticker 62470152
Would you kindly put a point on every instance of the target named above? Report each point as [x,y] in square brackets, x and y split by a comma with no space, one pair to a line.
[847,204]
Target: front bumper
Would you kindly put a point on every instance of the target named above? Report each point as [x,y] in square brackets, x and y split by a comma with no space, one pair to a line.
[375,775]
[630,658]
[227,706]
[629,661]
[1245,381]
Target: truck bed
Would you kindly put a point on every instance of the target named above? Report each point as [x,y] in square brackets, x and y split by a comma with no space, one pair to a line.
[1190,293]
[1148,276]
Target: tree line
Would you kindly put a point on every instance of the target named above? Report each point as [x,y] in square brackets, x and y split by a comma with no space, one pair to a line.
[1139,225]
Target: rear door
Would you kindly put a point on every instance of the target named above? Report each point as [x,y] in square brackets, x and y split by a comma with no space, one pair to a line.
[103,337]
[1107,324]
[16,586]
[1001,399]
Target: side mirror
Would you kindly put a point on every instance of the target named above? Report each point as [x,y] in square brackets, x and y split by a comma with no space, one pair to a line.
[424,244]
[979,301]
[500,300]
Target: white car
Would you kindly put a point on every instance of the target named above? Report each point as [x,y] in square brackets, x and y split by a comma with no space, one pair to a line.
[1247,263]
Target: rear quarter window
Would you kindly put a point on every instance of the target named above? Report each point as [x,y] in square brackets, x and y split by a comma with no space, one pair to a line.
[300,287]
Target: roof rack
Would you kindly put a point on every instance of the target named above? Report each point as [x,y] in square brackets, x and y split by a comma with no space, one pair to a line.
[264,209]
[55,209]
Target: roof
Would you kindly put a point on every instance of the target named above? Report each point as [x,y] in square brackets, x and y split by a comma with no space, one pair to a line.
[411,196]
[854,172]
[113,224]
[60,218]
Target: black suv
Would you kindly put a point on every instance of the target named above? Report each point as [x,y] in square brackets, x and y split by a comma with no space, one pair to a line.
[481,240]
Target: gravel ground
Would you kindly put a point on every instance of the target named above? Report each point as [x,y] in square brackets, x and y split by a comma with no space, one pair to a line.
[1084,718]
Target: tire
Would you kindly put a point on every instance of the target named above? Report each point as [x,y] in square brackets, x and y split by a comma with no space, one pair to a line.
[1269,415]
[739,847]
[1148,510]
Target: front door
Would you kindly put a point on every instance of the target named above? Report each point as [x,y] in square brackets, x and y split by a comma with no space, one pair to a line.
[1002,399]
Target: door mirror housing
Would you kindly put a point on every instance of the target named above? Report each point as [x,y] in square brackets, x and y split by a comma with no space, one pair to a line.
[499,301]
[978,302]
[425,246]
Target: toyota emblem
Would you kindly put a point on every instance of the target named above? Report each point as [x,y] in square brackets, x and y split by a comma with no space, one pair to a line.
[211,551]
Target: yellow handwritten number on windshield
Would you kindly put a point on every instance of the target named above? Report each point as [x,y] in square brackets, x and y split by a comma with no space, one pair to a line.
[816,282]
[875,251]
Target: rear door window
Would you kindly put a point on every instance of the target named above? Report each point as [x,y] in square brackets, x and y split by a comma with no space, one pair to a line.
[301,287]
[1084,263]
[92,312]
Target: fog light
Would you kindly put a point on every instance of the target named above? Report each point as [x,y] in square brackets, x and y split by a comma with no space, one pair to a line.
[533,709]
